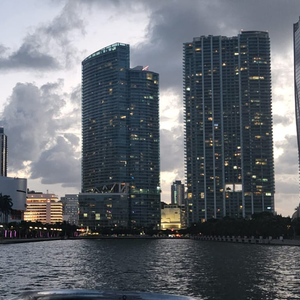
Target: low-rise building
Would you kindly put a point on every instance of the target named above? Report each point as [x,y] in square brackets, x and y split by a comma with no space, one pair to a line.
[44,208]
[103,210]
[70,208]
[172,217]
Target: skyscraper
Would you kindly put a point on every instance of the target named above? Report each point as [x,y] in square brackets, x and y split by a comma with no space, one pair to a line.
[3,153]
[177,193]
[120,135]
[297,82]
[228,126]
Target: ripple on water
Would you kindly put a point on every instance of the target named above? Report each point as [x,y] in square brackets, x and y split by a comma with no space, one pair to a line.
[206,270]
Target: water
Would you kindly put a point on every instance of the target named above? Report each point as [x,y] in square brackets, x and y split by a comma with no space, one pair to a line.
[205,270]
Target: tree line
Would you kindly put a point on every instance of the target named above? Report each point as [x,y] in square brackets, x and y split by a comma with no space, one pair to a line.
[263,224]
[6,204]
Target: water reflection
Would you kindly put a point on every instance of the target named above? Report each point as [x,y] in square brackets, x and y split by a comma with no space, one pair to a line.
[207,270]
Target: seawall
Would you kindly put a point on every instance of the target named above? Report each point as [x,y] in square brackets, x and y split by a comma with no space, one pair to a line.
[249,240]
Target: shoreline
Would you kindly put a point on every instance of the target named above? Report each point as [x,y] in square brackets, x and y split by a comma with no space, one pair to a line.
[249,240]
[29,240]
[241,240]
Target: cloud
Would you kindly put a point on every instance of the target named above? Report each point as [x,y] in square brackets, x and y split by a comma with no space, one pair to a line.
[40,123]
[287,185]
[58,164]
[286,176]
[171,23]
[287,162]
[171,144]
[28,57]
[49,46]
[282,120]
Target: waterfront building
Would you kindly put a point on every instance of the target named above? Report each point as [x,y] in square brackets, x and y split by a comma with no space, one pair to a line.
[3,153]
[228,126]
[297,83]
[44,208]
[172,216]
[104,210]
[70,208]
[177,193]
[15,188]
[120,140]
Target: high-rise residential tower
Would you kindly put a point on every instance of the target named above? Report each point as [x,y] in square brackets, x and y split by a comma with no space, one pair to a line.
[120,136]
[3,153]
[177,193]
[297,81]
[228,126]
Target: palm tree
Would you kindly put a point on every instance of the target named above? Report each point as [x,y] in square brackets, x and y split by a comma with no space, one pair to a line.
[5,206]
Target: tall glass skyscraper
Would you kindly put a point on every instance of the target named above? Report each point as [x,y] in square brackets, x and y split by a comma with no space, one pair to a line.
[3,154]
[297,81]
[228,126]
[120,139]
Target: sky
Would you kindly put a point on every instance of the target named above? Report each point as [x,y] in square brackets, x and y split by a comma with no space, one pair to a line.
[43,43]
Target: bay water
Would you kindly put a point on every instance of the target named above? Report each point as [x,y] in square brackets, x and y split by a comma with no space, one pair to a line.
[201,269]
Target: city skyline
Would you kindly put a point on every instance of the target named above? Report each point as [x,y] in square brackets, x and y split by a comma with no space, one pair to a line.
[40,63]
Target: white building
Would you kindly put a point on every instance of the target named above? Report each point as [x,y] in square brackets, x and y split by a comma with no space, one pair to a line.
[44,208]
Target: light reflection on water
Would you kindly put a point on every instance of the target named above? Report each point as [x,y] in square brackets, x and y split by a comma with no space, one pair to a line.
[206,270]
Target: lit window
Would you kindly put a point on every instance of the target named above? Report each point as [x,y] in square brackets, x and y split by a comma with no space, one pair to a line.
[149,76]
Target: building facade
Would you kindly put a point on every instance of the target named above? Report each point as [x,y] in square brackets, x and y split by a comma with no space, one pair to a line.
[16,188]
[44,208]
[177,193]
[171,217]
[70,208]
[3,153]
[297,82]
[120,136]
[228,126]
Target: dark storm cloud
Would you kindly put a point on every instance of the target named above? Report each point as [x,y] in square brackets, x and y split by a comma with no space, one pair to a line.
[49,46]
[35,124]
[28,57]
[171,23]
[58,164]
